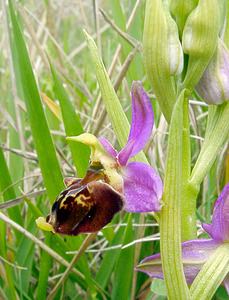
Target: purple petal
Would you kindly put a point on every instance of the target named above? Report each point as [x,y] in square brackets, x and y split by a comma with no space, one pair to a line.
[219,229]
[141,125]
[108,147]
[195,253]
[142,188]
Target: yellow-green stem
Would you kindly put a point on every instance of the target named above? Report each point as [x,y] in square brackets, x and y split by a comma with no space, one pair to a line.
[170,219]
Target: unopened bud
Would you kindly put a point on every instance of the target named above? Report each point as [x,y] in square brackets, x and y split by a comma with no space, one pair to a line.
[175,51]
[162,53]
[199,39]
[181,9]
[213,87]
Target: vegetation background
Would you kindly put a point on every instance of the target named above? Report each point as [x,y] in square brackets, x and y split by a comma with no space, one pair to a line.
[48,92]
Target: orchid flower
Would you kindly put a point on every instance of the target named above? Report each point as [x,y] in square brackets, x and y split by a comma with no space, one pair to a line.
[112,182]
[196,252]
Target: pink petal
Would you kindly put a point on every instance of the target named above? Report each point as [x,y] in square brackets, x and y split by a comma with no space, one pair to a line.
[108,147]
[141,125]
[195,253]
[219,229]
[142,188]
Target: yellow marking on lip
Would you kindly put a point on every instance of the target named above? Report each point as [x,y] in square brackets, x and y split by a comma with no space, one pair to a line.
[42,224]
[81,200]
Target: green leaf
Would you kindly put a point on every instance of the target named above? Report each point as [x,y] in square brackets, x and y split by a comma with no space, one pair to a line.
[41,135]
[48,162]
[113,106]
[80,152]
[109,259]
[7,190]
[125,265]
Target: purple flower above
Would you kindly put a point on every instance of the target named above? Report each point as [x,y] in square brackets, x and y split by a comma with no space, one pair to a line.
[111,183]
[196,252]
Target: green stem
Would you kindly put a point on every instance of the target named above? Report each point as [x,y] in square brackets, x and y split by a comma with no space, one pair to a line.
[188,206]
[170,219]
[212,274]
[188,215]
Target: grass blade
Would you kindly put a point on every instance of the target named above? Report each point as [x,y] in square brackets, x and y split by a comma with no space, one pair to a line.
[41,135]
[80,153]
[123,275]
[48,162]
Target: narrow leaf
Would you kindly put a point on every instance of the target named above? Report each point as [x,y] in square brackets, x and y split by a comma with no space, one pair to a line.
[113,106]
[41,135]
[80,152]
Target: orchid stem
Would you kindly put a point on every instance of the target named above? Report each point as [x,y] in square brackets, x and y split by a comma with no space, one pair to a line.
[170,219]
[188,206]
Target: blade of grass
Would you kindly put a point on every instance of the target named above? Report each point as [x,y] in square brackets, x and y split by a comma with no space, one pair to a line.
[80,153]
[61,281]
[9,284]
[113,106]
[41,135]
[109,259]
[123,275]
[7,190]
[135,71]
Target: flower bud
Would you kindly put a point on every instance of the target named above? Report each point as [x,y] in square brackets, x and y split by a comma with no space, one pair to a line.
[213,87]
[162,53]
[175,51]
[200,38]
[181,9]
